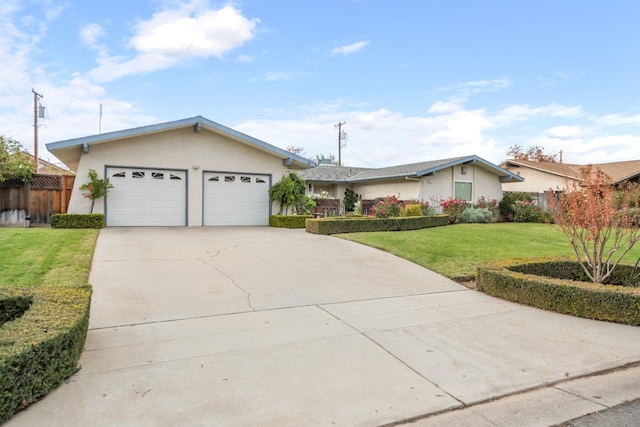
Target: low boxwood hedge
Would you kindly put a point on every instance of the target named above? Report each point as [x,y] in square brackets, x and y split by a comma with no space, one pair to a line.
[335,225]
[288,221]
[40,346]
[77,221]
[558,284]
[13,307]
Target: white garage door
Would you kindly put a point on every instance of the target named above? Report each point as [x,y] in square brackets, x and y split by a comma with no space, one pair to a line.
[147,197]
[236,199]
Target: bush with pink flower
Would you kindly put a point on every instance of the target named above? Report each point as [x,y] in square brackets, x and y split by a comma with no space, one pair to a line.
[453,207]
[386,208]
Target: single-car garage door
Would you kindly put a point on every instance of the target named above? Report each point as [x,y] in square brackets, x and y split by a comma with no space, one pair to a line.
[236,198]
[146,197]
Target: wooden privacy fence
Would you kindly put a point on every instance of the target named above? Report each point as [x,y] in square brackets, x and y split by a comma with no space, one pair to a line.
[44,196]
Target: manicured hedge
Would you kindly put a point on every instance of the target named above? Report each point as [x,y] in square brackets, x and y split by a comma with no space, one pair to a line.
[40,348]
[547,284]
[288,221]
[13,307]
[335,225]
[77,221]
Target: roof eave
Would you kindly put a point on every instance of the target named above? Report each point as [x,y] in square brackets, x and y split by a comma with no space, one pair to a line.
[198,122]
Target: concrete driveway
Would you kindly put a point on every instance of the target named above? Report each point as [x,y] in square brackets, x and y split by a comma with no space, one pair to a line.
[276,327]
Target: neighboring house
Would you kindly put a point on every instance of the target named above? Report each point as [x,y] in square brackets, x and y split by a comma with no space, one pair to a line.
[45,167]
[188,172]
[541,177]
[467,178]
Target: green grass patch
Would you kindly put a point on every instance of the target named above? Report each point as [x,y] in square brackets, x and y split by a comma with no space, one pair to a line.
[456,251]
[44,256]
[45,302]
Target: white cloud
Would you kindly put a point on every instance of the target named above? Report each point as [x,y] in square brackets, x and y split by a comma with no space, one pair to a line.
[564,132]
[350,48]
[519,113]
[477,86]
[444,107]
[278,76]
[91,33]
[618,120]
[173,35]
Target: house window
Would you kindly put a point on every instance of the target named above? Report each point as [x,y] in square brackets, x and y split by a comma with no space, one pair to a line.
[464,191]
[118,175]
[260,181]
[157,175]
[245,179]
[214,178]
[176,177]
[137,174]
[229,178]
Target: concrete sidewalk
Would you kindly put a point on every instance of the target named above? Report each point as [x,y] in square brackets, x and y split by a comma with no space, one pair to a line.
[262,326]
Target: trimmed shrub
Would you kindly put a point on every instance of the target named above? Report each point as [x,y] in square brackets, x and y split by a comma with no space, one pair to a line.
[77,221]
[555,284]
[476,215]
[12,308]
[288,221]
[41,348]
[413,209]
[337,225]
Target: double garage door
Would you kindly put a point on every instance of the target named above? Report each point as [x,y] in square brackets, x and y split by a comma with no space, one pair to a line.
[158,197]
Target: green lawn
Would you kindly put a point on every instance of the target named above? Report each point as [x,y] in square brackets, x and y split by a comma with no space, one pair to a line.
[455,251]
[32,256]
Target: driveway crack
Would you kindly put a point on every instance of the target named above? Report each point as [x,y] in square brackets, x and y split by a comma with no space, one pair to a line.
[227,276]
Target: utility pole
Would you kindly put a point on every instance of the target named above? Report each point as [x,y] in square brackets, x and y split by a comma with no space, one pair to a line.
[100,120]
[341,136]
[36,113]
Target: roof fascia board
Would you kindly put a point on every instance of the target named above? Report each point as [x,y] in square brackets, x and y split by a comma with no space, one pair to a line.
[504,175]
[522,165]
[176,124]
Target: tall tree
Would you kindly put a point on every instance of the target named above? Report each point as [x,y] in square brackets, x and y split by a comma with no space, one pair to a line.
[535,154]
[14,164]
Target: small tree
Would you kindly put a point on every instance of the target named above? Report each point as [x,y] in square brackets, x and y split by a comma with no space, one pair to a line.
[14,163]
[290,191]
[600,226]
[350,199]
[96,188]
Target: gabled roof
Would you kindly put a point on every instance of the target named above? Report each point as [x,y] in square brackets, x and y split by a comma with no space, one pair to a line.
[344,174]
[70,150]
[617,171]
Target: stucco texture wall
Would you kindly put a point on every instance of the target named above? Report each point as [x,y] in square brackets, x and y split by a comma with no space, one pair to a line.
[534,181]
[176,149]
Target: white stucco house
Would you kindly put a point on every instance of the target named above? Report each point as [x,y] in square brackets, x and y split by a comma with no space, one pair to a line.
[468,178]
[189,172]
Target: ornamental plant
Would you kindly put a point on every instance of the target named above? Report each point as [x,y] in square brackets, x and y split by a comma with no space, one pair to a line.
[453,207]
[600,223]
[529,211]
[386,207]
[425,207]
[96,188]
[490,204]
[290,191]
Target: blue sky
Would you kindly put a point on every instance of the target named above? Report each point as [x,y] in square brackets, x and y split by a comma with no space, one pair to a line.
[414,80]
